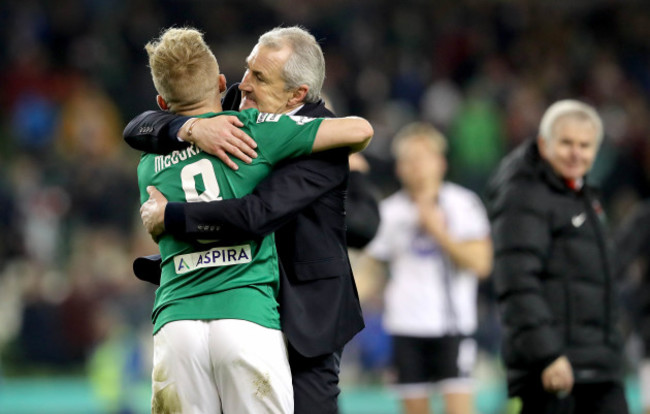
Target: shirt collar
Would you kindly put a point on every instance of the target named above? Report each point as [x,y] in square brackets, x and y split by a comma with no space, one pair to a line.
[575,185]
[295,110]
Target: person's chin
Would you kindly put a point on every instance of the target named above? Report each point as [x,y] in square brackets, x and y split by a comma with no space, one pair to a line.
[573,174]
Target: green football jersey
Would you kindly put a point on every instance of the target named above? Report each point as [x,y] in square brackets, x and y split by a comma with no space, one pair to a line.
[209,280]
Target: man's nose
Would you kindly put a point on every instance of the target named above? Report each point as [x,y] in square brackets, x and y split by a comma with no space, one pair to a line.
[576,152]
[245,84]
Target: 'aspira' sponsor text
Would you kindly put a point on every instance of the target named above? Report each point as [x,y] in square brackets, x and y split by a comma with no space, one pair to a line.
[217,256]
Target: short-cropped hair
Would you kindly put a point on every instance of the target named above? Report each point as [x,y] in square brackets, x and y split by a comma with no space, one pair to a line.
[569,108]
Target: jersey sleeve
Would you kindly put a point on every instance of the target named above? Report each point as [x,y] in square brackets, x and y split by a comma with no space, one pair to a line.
[472,222]
[282,136]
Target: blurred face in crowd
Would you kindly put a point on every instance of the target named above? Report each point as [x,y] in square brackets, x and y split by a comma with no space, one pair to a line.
[572,149]
[421,163]
[263,86]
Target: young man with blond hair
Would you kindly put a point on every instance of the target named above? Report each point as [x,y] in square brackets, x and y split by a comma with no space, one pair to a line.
[434,238]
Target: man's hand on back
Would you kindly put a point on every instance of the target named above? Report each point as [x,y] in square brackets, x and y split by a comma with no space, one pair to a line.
[220,136]
[152,213]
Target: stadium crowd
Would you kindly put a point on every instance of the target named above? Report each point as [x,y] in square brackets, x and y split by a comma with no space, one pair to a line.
[74,71]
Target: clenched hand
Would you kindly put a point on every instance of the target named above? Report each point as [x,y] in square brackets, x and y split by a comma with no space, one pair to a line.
[558,376]
[152,213]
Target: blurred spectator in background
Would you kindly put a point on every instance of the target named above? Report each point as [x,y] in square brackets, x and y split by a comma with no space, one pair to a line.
[632,241]
[434,236]
[555,270]
[476,140]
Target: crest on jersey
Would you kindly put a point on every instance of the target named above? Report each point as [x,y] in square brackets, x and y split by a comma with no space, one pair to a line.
[266,117]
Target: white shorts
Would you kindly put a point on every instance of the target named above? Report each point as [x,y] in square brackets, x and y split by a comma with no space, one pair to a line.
[220,366]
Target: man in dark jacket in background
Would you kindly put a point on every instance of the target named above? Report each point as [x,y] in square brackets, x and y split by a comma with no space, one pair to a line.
[554,271]
[303,201]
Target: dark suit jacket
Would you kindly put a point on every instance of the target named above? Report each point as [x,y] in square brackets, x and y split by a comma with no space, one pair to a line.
[303,201]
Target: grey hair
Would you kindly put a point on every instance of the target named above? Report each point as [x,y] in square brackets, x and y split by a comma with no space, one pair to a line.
[306,65]
[569,108]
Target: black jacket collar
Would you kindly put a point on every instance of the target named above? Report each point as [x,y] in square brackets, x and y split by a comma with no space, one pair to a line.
[525,162]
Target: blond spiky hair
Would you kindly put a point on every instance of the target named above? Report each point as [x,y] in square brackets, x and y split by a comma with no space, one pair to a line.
[184,69]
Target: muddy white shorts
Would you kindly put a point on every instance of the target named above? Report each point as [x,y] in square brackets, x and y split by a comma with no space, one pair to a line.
[220,366]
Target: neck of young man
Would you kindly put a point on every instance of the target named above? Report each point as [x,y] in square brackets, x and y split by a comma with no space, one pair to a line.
[200,108]
[425,190]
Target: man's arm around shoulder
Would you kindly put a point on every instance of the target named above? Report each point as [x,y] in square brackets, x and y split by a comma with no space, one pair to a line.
[155,132]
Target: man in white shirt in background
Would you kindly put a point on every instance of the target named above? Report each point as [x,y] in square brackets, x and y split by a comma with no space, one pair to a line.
[434,236]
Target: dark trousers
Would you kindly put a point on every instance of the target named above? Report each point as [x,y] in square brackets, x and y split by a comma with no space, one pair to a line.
[315,382]
[598,398]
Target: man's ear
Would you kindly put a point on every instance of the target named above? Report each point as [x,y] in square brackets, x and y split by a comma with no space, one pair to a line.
[298,96]
[161,103]
[222,82]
